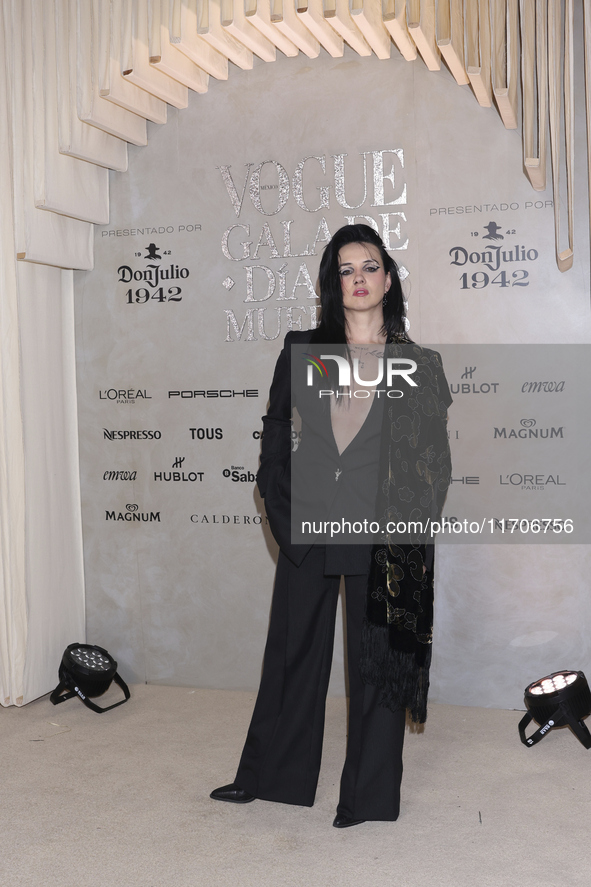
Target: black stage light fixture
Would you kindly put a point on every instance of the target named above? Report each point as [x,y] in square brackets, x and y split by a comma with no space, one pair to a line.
[554,701]
[87,671]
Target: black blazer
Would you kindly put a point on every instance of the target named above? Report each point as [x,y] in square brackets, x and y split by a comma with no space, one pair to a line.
[274,474]
[357,467]
[327,485]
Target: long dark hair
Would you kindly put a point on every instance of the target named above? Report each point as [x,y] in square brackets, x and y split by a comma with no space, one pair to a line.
[332,328]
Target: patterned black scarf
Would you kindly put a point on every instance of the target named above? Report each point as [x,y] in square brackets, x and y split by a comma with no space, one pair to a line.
[398,628]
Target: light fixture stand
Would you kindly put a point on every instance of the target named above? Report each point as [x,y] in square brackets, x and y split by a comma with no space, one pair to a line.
[87,671]
[558,700]
[561,717]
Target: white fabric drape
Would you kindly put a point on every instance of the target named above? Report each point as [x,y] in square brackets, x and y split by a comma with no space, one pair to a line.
[53,550]
[13,611]
[41,574]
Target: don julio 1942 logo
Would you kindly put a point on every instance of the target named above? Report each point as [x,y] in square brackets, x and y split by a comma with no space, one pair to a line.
[155,277]
[498,258]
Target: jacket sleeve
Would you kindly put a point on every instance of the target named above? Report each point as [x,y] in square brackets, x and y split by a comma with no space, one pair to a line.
[443,448]
[274,474]
[276,442]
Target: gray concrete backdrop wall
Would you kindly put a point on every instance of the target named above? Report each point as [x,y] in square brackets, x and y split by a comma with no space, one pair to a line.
[230,205]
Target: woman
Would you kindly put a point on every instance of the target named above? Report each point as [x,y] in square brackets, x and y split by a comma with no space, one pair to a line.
[361,305]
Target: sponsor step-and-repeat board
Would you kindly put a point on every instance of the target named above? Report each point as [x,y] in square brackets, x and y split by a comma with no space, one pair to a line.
[211,257]
[517,428]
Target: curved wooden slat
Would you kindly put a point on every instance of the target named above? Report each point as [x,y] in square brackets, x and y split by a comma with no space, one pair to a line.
[63,184]
[76,138]
[259,13]
[209,26]
[112,84]
[92,108]
[164,56]
[421,25]
[394,14]
[135,57]
[560,42]
[534,70]
[505,36]
[338,16]
[569,127]
[367,15]
[285,19]
[587,47]
[234,21]
[478,51]
[184,36]
[39,236]
[311,14]
[450,37]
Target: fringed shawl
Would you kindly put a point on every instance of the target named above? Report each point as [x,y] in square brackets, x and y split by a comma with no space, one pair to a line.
[415,471]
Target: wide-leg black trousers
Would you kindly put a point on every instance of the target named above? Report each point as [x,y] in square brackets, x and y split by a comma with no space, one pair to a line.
[283,748]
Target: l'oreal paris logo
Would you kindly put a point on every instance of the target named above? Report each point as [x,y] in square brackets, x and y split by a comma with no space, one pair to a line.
[394,367]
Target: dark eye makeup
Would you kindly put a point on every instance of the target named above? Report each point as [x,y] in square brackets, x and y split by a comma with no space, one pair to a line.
[369,268]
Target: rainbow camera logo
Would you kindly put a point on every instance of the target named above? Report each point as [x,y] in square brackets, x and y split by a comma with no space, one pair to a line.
[312,362]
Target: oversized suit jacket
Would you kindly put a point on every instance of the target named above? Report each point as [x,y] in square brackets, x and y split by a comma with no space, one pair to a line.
[274,474]
[414,431]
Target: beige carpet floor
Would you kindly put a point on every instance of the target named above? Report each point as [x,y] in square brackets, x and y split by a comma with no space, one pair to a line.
[121,800]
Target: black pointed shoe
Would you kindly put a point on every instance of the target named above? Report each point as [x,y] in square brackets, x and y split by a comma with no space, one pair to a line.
[232,793]
[342,821]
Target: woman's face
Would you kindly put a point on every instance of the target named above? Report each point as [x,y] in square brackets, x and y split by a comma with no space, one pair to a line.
[363,278]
